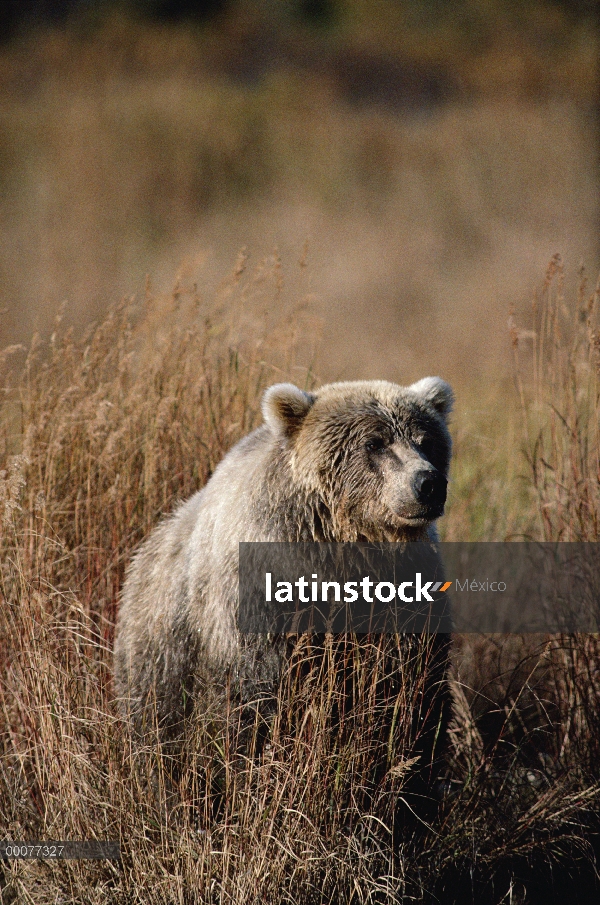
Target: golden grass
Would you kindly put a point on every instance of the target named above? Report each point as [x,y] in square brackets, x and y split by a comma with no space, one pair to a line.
[560,423]
[99,436]
[129,148]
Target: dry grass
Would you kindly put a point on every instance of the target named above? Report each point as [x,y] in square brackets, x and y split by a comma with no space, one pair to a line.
[421,228]
[560,423]
[99,436]
[128,149]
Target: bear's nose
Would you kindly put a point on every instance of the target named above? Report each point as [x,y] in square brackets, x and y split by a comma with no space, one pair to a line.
[430,487]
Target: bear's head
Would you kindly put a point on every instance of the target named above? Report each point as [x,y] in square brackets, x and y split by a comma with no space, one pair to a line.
[377,454]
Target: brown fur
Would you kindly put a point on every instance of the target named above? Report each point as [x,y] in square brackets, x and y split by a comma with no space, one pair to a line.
[340,464]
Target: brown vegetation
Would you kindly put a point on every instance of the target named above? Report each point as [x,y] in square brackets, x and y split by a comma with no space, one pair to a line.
[98,437]
[130,148]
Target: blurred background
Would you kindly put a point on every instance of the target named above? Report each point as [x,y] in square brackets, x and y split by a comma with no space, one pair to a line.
[407,167]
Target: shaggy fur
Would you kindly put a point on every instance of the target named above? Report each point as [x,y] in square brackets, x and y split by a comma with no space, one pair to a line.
[346,463]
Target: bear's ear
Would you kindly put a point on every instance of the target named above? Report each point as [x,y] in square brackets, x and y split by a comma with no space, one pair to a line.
[436,392]
[284,408]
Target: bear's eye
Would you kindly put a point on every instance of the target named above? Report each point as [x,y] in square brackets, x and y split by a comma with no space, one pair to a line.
[426,446]
[375,444]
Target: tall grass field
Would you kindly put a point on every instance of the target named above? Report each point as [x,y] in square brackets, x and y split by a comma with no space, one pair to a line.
[101,433]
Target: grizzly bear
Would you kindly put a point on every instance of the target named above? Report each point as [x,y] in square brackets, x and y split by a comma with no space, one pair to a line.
[363,461]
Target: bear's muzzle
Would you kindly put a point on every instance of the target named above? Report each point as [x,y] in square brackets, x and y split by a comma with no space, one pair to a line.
[430,487]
